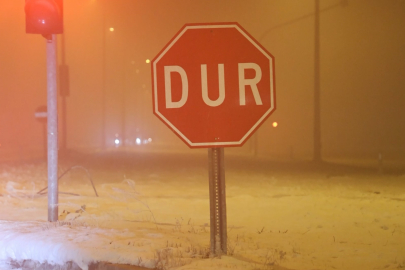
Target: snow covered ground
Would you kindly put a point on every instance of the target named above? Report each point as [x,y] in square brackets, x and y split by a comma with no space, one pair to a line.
[153,211]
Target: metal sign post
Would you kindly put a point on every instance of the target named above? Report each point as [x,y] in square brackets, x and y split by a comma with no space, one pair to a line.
[218,232]
[52,129]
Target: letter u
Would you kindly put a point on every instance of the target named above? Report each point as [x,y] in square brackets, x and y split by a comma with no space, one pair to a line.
[221,84]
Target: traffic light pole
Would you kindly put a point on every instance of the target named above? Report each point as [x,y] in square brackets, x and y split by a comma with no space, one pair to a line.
[218,227]
[52,129]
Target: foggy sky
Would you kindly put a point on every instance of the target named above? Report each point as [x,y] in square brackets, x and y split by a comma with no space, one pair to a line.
[362,73]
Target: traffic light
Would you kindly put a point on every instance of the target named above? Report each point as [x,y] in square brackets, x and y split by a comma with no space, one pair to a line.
[44,17]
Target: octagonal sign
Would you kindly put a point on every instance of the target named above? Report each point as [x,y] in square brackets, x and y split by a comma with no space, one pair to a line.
[213,85]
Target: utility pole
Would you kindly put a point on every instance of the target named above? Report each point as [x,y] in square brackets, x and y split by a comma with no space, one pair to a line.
[103,92]
[317,89]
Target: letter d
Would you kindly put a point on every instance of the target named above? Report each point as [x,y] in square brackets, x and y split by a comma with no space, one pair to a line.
[168,86]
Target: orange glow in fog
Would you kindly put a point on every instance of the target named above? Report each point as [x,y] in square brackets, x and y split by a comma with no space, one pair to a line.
[275,124]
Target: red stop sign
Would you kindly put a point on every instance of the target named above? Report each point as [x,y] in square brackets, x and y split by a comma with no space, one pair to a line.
[213,85]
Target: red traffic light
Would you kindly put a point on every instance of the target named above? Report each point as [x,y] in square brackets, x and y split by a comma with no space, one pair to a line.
[44,17]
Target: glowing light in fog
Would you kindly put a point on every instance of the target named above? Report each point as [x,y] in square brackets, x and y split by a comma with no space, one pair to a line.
[147,61]
[275,124]
[117,141]
[149,140]
[111,29]
[138,141]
